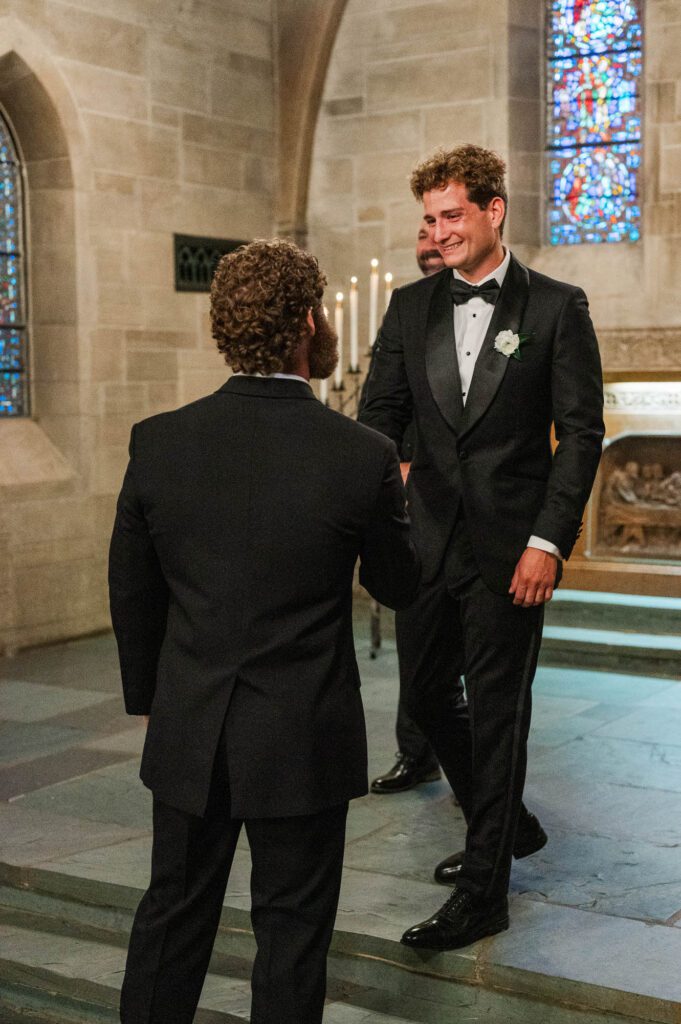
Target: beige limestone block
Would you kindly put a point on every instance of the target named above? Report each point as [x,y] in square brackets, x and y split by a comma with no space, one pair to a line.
[145,339]
[196,384]
[34,119]
[27,456]
[52,216]
[218,168]
[163,309]
[670,168]
[119,305]
[171,117]
[525,62]
[378,133]
[453,124]
[179,76]
[151,366]
[524,219]
[663,50]
[259,175]
[370,214]
[241,32]
[53,285]
[242,97]
[41,590]
[661,102]
[107,355]
[49,173]
[163,396]
[110,467]
[55,353]
[112,209]
[110,261]
[91,38]
[404,222]
[66,434]
[121,184]
[113,431]
[386,178]
[125,399]
[403,84]
[221,133]
[61,400]
[150,258]
[50,552]
[525,125]
[333,175]
[107,92]
[141,149]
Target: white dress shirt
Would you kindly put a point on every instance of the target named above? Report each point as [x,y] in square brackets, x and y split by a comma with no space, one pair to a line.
[471,320]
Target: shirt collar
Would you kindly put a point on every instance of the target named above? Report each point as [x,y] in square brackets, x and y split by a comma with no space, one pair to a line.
[278,376]
[499,274]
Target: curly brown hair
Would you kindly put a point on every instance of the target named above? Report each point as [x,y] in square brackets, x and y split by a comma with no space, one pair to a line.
[479,170]
[259,300]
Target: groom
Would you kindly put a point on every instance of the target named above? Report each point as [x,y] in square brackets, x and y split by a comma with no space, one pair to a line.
[485,355]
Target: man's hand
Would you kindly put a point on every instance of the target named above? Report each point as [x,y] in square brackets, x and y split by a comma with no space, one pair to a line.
[534,578]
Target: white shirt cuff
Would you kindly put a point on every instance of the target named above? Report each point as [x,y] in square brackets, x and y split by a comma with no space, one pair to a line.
[544,545]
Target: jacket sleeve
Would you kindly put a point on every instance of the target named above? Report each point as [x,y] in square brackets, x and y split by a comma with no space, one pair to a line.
[577,395]
[138,596]
[387,400]
[389,565]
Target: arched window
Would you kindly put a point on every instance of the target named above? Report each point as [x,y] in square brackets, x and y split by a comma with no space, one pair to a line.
[14,399]
[593,120]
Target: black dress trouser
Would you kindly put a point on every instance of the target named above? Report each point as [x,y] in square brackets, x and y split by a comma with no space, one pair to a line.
[481,744]
[295,884]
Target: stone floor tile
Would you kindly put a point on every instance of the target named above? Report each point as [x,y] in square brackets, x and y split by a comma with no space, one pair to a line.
[29,776]
[112,794]
[34,836]
[21,741]
[22,701]
[104,718]
[626,763]
[608,687]
[130,741]
[647,725]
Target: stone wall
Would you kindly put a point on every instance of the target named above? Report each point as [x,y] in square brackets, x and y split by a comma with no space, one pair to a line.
[136,119]
[407,76]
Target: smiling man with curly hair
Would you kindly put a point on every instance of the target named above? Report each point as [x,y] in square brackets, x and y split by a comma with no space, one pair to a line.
[237,531]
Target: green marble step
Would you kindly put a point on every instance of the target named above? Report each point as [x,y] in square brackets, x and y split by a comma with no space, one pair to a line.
[610,650]
[634,613]
[66,935]
[50,978]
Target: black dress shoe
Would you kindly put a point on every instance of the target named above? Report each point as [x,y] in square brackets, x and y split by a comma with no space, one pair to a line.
[463,919]
[529,838]
[405,774]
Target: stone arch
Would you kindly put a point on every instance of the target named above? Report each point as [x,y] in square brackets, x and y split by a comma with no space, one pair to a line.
[47,127]
[305,41]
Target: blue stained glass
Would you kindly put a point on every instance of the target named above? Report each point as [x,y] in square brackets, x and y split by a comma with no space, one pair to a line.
[593,26]
[594,120]
[13,394]
[13,368]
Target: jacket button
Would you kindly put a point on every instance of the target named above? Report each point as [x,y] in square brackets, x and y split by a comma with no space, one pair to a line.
[463,454]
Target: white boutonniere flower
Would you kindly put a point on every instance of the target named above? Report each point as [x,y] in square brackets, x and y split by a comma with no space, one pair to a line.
[509,344]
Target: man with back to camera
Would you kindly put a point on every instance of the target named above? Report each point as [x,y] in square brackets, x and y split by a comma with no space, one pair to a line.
[416,761]
[237,530]
[486,355]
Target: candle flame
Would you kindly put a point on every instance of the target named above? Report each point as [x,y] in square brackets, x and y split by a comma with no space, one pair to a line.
[339,296]
[388,278]
[353,280]
[374,263]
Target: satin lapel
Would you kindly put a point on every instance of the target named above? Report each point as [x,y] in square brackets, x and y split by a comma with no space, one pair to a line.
[491,365]
[442,367]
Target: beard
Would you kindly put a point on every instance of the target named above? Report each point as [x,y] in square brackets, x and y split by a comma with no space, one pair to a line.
[323,351]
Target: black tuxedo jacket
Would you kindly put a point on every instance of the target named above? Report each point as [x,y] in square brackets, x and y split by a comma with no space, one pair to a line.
[492,457]
[238,527]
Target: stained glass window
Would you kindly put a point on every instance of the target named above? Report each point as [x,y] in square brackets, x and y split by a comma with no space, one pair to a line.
[13,368]
[594,120]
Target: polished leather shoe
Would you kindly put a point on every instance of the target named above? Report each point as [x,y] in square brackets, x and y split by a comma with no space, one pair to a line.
[405,774]
[530,838]
[463,919]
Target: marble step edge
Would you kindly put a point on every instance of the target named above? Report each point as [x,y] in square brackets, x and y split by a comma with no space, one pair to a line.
[357,957]
[629,613]
[36,992]
[635,654]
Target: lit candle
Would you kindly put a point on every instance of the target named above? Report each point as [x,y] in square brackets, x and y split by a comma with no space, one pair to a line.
[324,384]
[373,302]
[388,288]
[354,326]
[338,378]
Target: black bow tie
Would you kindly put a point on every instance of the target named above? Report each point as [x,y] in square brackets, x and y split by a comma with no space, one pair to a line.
[462,291]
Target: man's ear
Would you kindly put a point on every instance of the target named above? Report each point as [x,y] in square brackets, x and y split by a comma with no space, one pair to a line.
[310,323]
[497,207]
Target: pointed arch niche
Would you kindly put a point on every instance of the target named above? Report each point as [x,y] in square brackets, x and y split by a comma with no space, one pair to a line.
[42,450]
